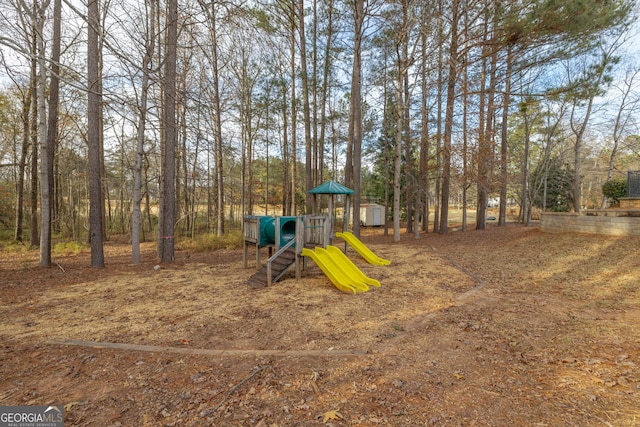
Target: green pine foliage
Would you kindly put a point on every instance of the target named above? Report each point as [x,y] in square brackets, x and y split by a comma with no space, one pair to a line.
[576,20]
[558,181]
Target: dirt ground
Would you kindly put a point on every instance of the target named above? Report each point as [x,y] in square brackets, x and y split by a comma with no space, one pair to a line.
[504,327]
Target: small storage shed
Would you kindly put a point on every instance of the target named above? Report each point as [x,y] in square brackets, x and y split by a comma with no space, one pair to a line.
[371,215]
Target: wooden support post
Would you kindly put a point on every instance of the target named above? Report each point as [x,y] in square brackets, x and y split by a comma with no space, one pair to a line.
[257,256]
[245,255]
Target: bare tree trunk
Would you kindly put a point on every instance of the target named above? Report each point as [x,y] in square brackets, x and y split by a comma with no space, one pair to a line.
[526,192]
[31,125]
[423,191]
[436,217]
[136,216]
[387,154]
[35,235]
[294,119]
[54,101]
[247,172]
[398,154]
[325,91]
[45,188]
[465,143]
[192,207]
[286,181]
[355,114]
[490,119]
[182,170]
[448,122]
[169,126]
[94,87]
[483,146]
[502,220]
[406,132]
[305,106]
[316,156]
[466,179]
[210,10]
[220,201]
[22,164]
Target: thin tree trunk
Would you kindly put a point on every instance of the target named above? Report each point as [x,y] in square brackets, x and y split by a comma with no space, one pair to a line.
[490,119]
[448,122]
[325,91]
[22,164]
[220,202]
[93,135]
[54,101]
[406,132]
[305,106]
[356,112]
[193,202]
[483,146]
[504,146]
[45,188]
[387,153]
[136,216]
[182,170]
[35,235]
[526,196]
[436,216]
[465,142]
[398,155]
[294,121]
[286,181]
[423,193]
[317,162]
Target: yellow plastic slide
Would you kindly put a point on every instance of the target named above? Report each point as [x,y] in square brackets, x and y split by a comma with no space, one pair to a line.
[362,249]
[349,267]
[338,277]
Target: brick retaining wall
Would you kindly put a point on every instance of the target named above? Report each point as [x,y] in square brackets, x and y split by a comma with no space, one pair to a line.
[611,222]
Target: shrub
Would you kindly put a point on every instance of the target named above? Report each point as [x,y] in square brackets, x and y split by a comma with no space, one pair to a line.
[6,207]
[615,189]
[210,242]
[66,248]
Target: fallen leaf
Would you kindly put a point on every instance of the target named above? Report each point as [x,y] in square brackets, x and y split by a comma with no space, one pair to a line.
[332,415]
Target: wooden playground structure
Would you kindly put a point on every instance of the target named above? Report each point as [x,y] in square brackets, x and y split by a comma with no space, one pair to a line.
[284,237]
[308,236]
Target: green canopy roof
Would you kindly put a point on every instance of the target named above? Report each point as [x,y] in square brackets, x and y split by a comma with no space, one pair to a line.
[331,187]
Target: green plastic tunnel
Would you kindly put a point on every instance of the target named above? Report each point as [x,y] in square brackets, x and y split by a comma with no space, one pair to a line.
[268,230]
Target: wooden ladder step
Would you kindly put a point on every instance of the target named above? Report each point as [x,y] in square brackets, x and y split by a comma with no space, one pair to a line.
[278,267]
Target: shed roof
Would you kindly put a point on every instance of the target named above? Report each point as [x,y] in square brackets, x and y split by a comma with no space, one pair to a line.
[331,187]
